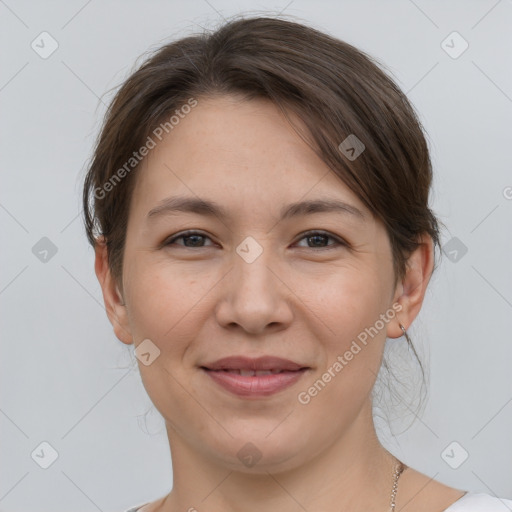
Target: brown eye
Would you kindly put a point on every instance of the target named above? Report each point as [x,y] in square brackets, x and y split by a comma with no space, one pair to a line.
[318,238]
[315,240]
[194,237]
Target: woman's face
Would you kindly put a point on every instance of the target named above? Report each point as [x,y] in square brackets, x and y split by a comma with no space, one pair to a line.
[251,282]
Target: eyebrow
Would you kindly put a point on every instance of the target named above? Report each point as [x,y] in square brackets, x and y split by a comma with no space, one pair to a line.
[173,205]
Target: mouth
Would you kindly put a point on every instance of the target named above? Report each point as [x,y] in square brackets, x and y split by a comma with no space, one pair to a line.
[250,373]
[252,378]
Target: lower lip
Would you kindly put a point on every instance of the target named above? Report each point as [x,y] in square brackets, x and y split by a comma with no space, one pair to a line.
[257,385]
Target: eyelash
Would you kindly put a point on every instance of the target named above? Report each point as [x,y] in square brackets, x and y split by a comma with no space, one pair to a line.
[307,234]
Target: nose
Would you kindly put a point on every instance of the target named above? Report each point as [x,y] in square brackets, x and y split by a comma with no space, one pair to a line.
[256,296]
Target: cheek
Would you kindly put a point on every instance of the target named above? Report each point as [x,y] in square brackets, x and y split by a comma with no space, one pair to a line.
[159,294]
[347,301]
[165,307]
[350,305]
[168,304]
[351,352]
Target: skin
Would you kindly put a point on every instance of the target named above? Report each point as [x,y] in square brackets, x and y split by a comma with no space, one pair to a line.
[297,300]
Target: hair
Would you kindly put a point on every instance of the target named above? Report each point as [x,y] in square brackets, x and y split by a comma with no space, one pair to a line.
[335,89]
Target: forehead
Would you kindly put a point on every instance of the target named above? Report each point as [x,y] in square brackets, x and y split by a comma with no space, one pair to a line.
[238,152]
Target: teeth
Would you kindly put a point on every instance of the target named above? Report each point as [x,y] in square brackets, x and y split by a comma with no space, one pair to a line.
[252,373]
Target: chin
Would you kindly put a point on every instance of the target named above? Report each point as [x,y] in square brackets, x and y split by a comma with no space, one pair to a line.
[261,451]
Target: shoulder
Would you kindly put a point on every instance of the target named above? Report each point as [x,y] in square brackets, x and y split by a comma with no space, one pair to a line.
[480,502]
[136,509]
[149,506]
[420,493]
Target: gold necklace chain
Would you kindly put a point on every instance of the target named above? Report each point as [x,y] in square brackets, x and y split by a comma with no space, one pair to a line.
[400,468]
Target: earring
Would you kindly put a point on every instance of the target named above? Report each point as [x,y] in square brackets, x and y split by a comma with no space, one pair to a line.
[405,334]
[411,347]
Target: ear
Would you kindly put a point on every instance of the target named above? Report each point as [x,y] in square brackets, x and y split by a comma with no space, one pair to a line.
[410,291]
[114,303]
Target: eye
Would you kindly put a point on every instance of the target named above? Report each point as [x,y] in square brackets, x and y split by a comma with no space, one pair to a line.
[194,236]
[196,239]
[318,236]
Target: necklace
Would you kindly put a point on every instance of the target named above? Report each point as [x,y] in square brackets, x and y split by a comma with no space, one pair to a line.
[400,468]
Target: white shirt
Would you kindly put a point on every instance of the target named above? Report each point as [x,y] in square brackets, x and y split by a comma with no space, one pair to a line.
[480,502]
[470,502]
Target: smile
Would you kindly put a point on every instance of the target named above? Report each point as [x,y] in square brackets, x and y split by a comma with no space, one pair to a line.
[259,377]
[258,383]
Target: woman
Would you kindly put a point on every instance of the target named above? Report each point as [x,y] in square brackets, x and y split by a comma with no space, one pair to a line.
[223,161]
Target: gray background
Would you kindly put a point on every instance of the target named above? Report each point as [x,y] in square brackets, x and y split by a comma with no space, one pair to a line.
[66,379]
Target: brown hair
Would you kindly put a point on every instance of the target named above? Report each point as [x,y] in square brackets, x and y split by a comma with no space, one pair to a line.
[334,88]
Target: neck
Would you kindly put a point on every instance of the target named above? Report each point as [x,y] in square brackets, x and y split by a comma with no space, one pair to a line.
[354,473]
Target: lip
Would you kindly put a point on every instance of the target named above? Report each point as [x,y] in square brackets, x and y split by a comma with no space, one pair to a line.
[258,363]
[223,373]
